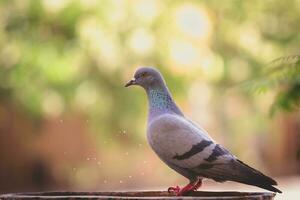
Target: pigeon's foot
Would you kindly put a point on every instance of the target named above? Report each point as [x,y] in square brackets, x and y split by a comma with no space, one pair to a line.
[182,191]
[175,189]
[185,190]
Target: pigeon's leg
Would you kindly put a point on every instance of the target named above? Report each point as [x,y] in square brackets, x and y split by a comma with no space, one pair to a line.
[188,188]
[198,184]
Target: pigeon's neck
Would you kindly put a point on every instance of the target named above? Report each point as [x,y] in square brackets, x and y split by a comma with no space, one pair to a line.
[161,102]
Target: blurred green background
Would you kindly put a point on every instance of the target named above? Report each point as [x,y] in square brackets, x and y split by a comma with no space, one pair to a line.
[67,122]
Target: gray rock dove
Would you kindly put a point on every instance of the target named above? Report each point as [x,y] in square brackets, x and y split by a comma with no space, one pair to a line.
[186,147]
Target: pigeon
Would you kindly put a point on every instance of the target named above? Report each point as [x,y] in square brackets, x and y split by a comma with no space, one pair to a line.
[186,147]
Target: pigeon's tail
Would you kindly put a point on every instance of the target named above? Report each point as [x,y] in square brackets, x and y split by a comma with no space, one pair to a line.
[240,172]
[269,187]
[251,176]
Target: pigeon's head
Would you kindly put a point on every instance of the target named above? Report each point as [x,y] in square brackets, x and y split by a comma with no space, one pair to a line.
[147,77]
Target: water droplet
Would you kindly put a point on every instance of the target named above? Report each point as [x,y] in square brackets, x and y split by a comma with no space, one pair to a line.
[65,152]
[99,163]
[140,145]
[142,173]
[61,121]
[87,158]
[144,161]
[129,176]
[74,168]
[121,181]
[124,131]
[87,121]
[126,153]
[105,181]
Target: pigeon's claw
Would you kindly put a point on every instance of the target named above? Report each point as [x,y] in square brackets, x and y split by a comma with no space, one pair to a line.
[175,189]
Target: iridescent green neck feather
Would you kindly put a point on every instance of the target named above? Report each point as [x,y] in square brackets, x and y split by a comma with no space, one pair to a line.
[161,102]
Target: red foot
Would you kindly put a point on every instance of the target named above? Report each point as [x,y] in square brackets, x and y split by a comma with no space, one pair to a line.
[185,190]
[175,189]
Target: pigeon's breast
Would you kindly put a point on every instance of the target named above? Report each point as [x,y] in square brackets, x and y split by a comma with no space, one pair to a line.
[161,127]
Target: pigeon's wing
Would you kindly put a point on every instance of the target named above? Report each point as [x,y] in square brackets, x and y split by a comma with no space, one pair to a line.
[200,129]
[181,143]
[178,141]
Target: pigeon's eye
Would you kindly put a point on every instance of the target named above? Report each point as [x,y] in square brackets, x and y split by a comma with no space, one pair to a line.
[144,75]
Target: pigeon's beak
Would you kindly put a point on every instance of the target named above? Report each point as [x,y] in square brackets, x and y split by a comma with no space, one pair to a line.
[131,82]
